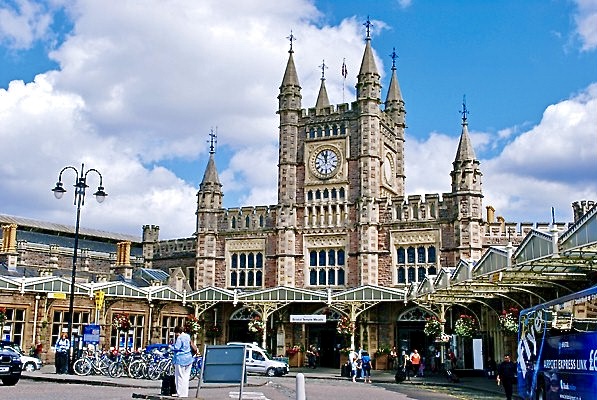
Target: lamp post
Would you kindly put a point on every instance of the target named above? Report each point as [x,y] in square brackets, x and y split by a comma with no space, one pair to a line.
[80,186]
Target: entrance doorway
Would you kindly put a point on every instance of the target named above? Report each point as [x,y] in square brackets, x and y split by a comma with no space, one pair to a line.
[328,343]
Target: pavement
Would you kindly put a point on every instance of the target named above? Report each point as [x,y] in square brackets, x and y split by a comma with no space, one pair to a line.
[476,383]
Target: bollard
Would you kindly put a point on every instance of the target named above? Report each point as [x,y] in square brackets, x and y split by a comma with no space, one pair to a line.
[300,386]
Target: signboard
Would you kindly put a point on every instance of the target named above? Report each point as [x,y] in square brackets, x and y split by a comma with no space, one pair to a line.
[56,295]
[224,364]
[99,299]
[91,334]
[308,319]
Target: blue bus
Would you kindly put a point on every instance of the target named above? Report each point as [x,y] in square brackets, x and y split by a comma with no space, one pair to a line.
[557,348]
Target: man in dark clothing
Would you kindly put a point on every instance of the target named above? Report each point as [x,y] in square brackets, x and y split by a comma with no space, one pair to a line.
[506,374]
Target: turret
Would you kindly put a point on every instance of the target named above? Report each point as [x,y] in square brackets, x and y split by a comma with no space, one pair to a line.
[289,109]
[209,196]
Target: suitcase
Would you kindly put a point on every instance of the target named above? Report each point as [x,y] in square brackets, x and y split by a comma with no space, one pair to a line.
[400,375]
[345,370]
[168,385]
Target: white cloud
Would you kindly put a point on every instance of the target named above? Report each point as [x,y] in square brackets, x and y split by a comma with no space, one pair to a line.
[24,23]
[586,23]
[534,172]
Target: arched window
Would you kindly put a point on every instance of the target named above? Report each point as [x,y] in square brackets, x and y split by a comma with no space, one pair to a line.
[421,272]
[331,277]
[259,278]
[411,274]
[327,131]
[401,255]
[321,258]
[340,276]
[342,130]
[261,220]
[313,277]
[332,257]
[251,260]
[335,130]
[259,260]
[310,195]
[401,275]
[233,279]
[411,255]
[341,191]
[313,258]
[319,132]
[247,222]
[234,261]
[334,193]
[246,269]
[431,254]
[421,255]
[233,222]
[318,194]
[326,194]
[340,257]
[312,133]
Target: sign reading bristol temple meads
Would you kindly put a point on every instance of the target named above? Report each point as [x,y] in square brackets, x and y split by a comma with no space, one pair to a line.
[344,259]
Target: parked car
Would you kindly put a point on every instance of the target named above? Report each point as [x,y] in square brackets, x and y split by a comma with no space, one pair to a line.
[257,361]
[10,367]
[30,364]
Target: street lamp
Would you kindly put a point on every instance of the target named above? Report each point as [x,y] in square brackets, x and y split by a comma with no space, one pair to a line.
[80,186]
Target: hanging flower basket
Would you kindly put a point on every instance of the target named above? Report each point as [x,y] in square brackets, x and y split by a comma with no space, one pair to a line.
[256,325]
[433,327]
[466,326]
[213,331]
[509,320]
[121,322]
[192,325]
[345,326]
[2,316]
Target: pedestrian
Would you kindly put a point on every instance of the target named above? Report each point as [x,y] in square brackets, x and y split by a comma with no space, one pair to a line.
[312,357]
[491,367]
[406,365]
[415,360]
[393,358]
[352,359]
[366,366]
[62,348]
[182,360]
[506,375]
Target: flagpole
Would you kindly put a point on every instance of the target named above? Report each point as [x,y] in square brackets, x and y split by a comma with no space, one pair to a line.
[344,74]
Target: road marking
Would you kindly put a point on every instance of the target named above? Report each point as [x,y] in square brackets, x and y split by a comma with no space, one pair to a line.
[248,395]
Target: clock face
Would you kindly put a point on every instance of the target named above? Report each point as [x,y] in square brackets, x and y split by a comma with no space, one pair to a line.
[326,162]
[388,170]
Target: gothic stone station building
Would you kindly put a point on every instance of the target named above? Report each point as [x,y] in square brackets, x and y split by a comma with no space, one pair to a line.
[343,241]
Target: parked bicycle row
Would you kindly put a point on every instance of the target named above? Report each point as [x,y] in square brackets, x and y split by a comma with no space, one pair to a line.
[150,364]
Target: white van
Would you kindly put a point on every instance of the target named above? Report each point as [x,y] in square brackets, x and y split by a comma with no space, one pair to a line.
[257,361]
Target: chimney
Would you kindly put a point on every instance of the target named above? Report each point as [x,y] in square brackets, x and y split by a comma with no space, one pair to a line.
[490,214]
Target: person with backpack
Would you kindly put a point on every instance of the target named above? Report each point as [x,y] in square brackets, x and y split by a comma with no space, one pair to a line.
[366,366]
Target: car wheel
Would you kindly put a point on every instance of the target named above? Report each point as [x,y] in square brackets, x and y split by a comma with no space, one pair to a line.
[29,367]
[270,372]
[10,381]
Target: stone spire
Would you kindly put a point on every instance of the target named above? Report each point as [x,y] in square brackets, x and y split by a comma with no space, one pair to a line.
[290,75]
[465,150]
[210,193]
[394,105]
[322,97]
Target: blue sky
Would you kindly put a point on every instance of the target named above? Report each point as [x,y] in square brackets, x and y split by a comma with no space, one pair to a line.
[133,88]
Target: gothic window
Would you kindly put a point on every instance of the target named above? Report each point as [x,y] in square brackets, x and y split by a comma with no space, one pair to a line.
[341,193]
[319,133]
[310,195]
[261,221]
[431,254]
[401,275]
[318,194]
[411,274]
[246,269]
[411,255]
[421,273]
[326,267]
[342,130]
[247,221]
[334,193]
[326,194]
[233,222]
[401,255]
[312,133]
[421,255]
[335,130]
[327,131]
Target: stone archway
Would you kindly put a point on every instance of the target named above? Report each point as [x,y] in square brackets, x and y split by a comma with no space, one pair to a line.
[237,325]
[409,330]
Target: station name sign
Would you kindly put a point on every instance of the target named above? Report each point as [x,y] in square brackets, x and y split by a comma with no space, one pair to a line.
[308,319]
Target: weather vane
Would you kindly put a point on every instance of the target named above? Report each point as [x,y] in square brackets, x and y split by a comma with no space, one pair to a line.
[213,139]
[368,25]
[464,111]
[292,38]
[394,57]
[323,68]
